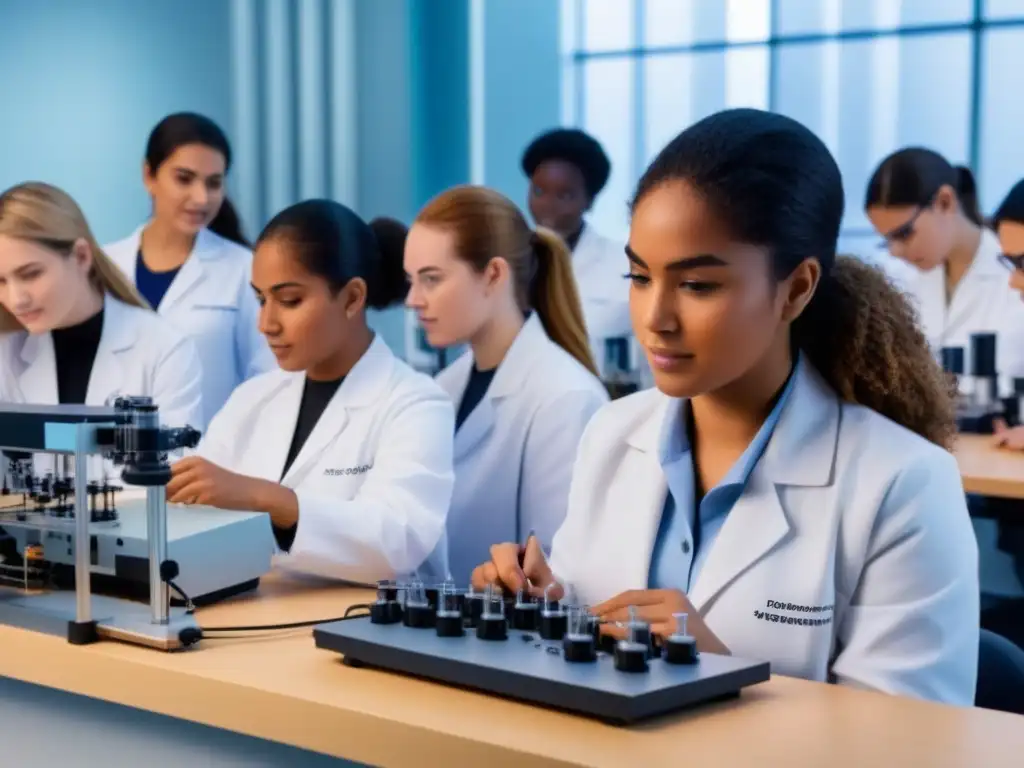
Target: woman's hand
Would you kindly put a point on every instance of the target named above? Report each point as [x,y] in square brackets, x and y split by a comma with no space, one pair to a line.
[656,606]
[1017,281]
[1006,437]
[198,481]
[514,567]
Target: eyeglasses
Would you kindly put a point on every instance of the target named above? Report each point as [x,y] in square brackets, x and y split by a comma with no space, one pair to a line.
[1012,261]
[903,232]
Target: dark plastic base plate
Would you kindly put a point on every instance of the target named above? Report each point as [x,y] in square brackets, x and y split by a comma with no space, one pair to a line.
[527,668]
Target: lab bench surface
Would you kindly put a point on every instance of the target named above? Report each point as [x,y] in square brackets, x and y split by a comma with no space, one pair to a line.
[280,688]
[989,471]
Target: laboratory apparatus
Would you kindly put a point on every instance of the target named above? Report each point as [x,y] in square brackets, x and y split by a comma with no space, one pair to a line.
[567,669]
[65,536]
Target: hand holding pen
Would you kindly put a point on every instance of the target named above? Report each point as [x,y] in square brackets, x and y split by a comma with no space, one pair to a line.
[516,566]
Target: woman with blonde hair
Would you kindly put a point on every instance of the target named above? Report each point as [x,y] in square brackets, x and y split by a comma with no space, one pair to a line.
[527,387]
[73,330]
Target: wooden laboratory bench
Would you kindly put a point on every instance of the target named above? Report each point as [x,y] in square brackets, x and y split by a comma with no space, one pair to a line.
[987,470]
[281,688]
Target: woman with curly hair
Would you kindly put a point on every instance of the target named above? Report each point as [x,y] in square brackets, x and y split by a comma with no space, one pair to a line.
[787,484]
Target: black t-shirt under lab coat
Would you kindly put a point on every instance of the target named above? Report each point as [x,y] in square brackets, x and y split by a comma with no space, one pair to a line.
[74,351]
[476,388]
[315,397]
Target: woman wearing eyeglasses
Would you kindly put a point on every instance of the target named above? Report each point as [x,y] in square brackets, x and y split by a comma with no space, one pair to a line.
[1008,224]
[1004,618]
[927,212]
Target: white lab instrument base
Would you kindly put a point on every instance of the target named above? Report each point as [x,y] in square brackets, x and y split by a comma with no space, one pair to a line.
[116,619]
[217,550]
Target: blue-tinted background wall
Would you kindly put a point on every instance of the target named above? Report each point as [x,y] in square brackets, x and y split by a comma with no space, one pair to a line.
[521,85]
[365,101]
[84,82]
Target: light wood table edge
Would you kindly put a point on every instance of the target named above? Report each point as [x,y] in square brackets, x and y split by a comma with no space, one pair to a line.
[283,689]
[309,725]
[989,471]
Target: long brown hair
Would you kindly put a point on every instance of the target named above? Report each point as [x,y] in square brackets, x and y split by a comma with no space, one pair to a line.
[487,224]
[47,216]
[863,335]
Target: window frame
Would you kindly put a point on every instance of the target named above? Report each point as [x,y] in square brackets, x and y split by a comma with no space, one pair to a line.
[576,57]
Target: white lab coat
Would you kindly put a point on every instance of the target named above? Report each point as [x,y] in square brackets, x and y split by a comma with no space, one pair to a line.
[983,301]
[374,479]
[848,519]
[212,300]
[139,354]
[599,264]
[515,450]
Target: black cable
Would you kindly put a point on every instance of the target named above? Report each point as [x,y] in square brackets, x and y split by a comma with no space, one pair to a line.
[295,624]
[169,572]
[190,607]
[193,635]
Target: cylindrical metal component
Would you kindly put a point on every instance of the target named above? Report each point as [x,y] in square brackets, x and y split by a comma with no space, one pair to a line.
[953,360]
[156,531]
[83,561]
[983,355]
[986,392]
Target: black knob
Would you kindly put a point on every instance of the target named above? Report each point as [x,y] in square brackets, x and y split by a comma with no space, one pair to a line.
[553,624]
[579,648]
[680,649]
[472,607]
[525,616]
[449,624]
[492,626]
[983,354]
[953,360]
[385,612]
[418,615]
[630,657]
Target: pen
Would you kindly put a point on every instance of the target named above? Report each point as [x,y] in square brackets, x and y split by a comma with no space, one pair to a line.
[522,552]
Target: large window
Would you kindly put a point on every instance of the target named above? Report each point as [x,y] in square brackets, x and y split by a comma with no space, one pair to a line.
[868,76]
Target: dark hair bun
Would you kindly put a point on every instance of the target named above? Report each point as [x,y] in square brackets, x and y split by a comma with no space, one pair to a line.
[333,242]
[965,184]
[393,286]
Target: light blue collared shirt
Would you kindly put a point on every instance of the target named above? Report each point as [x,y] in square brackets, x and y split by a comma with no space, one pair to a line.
[677,559]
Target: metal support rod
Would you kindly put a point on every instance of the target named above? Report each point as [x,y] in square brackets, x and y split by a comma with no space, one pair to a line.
[83,560]
[156,532]
[986,391]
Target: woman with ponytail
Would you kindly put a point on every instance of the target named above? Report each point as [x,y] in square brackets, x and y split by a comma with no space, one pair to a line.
[191,261]
[526,388]
[787,484]
[926,211]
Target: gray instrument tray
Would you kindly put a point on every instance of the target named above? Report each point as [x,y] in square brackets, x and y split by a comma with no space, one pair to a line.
[526,670]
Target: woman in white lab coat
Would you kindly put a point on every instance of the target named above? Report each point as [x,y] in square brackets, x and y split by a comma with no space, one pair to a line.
[927,213]
[527,388]
[787,483]
[72,328]
[568,169]
[1008,224]
[191,261]
[1003,549]
[345,448]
